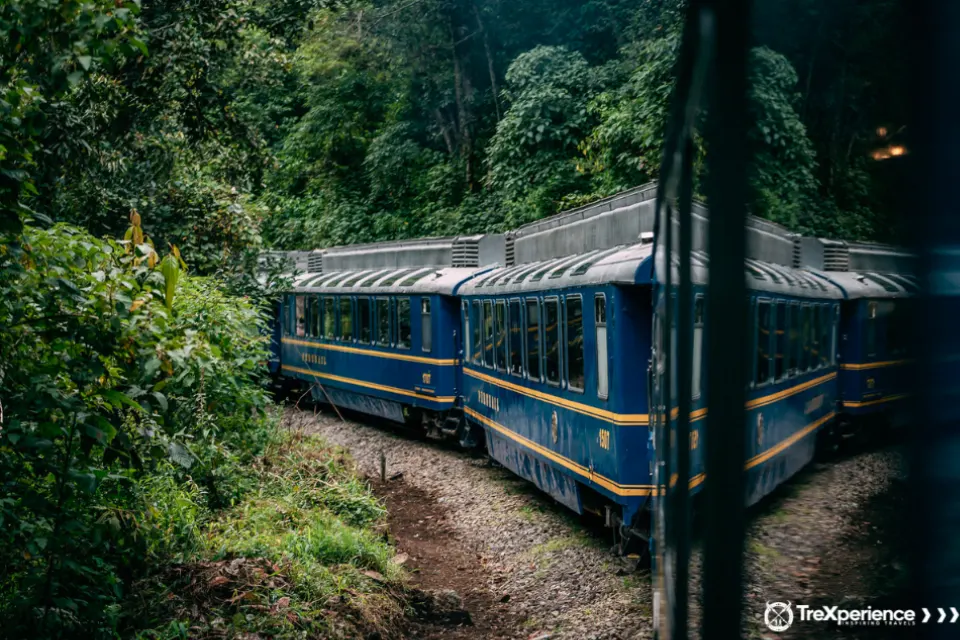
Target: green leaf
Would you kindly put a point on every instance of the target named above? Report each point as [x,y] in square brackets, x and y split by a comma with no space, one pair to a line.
[180,455]
[118,399]
[153,364]
[85,62]
[161,400]
[86,481]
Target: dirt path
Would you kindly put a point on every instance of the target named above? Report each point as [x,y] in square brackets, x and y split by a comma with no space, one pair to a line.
[526,568]
[440,561]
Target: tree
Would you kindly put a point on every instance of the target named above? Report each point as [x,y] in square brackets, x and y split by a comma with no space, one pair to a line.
[532,155]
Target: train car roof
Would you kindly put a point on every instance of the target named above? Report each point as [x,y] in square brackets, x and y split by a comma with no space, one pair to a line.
[861,284]
[632,264]
[429,280]
[625,264]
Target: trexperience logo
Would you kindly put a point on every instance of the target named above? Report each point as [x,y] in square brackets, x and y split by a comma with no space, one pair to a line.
[779,616]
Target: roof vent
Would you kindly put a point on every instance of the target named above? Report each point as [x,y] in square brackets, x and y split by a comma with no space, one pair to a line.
[466,251]
[797,252]
[510,256]
[836,257]
[315,262]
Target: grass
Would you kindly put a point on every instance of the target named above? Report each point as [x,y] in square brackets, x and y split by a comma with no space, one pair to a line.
[542,554]
[304,554]
[761,549]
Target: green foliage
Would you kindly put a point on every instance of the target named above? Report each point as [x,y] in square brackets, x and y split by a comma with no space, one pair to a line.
[46,49]
[104,384]
[783,157]
[624,149]
[532,153]
[304,542]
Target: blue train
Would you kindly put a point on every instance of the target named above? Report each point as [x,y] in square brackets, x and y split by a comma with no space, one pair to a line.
[551,361]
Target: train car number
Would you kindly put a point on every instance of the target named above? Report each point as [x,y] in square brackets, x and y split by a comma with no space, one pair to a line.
[604,439]
[313,358]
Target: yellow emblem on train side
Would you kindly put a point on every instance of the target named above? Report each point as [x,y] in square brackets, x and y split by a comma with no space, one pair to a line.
[426,377]
[553,427]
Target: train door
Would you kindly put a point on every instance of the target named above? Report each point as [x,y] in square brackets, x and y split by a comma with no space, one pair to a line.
[662,438]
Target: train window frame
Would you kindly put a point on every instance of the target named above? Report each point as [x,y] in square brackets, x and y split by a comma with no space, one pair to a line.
[535,376]
[566,339]
[500,335]
[870,330]
[601,334]
[382,304]
[465,311]
[426,325]
[816,336]
[699,321]
[511,337]
[300,311]
[401,303]
[781,344]
[825,330]
[793,339]
[488,338]
[751,332]
[477,336]
[554,300]
[835,331]
[287,316]
[350,336]
[758,334]
[364,319]
[313,315]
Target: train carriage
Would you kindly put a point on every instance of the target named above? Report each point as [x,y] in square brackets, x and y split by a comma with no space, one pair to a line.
[875,366]
[791,394]
[385,342]
[550,373]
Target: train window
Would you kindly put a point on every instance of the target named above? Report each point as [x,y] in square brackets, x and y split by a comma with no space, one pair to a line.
[501,347]
[426,331]
[834,326]
[533,339]
[780,340]
[870,329]
[403,323]
[477,342]
[383,322]
[763,342]
[793,339]
[287,307]
[825,325]
[815,335]
[313,316]
[465,309]
[488,333]
[551,339]
[697,345]
[301,320]
[516,345]
[898,335]
[575,376]
[328,327]
[603,363]
[346,319]
[806,362]
[364,321]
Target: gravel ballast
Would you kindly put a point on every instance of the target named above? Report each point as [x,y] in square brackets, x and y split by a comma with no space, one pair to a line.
[553,572]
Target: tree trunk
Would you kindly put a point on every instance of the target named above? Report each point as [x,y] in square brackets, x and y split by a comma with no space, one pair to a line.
[445,130]
[490,68]
[461,91]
